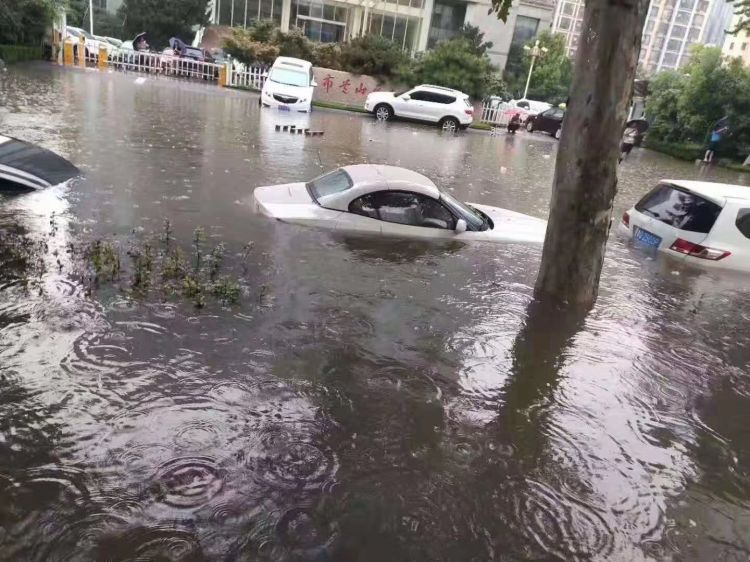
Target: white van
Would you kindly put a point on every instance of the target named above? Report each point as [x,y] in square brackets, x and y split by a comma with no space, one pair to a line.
[289,85]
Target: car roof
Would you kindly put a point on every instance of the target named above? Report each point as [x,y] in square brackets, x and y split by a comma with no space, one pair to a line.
[441,89]
[713,191]
[292,62]
[368,178]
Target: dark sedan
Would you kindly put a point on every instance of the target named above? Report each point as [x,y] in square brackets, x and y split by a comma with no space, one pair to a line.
[549,121]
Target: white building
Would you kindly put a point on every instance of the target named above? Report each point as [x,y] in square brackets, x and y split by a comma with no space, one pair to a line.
[672,27]
[738,45]
[415,24]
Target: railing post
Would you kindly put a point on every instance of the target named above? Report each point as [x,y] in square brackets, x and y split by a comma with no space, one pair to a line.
[103,57]
[224,75]
[68,58]
[82,52]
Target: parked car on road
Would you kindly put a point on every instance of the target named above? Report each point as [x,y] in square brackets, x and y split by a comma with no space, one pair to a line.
[91,43]
[703,223]
[289,85]
[450,109]
[381,200]
[533,107]
[549,121]
[183,50]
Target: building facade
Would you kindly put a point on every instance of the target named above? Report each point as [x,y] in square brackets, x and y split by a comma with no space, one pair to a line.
[672,27]
[738,44]
[417,25]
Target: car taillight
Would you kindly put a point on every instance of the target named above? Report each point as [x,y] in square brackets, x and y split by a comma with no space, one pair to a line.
[698,251]
[469,111]
[626,219]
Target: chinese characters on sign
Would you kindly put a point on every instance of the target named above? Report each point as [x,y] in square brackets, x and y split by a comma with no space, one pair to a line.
[328,83]
[345,86]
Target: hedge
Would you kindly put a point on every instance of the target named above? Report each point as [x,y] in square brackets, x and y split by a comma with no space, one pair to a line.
[682,151]
[19,53]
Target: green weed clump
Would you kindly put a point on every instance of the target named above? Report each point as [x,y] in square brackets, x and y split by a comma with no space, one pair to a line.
[164,268]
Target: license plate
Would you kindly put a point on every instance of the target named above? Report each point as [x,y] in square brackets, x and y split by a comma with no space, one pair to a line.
[283,108]
[647,238]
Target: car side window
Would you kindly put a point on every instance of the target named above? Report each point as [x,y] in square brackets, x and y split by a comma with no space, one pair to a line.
[743,222]
[404,207]
[559,113]
[419,95]
[523,104]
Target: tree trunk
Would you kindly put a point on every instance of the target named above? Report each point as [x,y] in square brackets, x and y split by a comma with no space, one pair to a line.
[585,181]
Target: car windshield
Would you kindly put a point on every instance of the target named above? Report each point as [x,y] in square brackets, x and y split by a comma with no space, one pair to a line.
[328,184]
[464,211]
[289,77]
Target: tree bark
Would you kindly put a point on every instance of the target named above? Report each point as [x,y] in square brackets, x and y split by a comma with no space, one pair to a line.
[585,181]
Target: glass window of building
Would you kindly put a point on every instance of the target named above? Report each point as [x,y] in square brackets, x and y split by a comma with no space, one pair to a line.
[320,21]
[244,12]
[524,31]
[447,18]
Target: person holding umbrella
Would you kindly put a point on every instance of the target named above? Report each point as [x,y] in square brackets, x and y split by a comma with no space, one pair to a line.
[633,129]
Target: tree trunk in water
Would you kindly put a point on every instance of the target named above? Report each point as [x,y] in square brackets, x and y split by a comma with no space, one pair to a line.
[585,181]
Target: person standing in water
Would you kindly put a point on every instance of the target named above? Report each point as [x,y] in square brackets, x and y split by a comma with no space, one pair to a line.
[713,143]
[628,141]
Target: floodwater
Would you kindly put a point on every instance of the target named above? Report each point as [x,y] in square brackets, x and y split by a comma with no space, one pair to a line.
[363,401]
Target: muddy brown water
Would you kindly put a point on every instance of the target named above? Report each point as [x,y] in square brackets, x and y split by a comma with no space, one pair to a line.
[365,400]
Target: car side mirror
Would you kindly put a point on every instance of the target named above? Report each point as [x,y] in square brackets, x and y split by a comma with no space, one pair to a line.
[314,84]
[406,97]
[460,226]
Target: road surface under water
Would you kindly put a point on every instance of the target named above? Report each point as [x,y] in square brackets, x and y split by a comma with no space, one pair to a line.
[365,400]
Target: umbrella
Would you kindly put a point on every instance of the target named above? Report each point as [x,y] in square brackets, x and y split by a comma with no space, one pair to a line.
[641,125]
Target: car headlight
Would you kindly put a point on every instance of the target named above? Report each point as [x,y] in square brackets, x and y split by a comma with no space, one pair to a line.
[302,100]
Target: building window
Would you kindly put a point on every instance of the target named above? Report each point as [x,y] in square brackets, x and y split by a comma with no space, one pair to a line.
[744,46]
[241,13]
[320,21]
[524,31]
[731,46]
[446,20]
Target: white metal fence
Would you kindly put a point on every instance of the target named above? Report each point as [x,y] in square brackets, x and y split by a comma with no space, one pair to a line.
[496,113]
[168,65]
[246,76]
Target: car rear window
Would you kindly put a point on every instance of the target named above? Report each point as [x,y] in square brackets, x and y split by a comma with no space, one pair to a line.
[743,222]
[679,208]
[328,184]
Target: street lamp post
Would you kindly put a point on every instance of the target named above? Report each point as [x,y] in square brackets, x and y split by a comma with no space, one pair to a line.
[534,52]
[91,17]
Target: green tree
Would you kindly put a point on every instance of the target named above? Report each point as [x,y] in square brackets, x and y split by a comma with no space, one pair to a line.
[476,38]
[684,105]
[374,55]
[455,64]
[25,22]
[661,105]
[163,19]
[742,7]
[553,71]
[241,44]
[294,44]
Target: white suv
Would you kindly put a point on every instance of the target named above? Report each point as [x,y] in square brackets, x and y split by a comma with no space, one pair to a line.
[699,222]
[289,85]
[450,109]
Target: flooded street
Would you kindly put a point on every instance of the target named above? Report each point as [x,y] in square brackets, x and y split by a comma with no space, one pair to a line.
[365,400]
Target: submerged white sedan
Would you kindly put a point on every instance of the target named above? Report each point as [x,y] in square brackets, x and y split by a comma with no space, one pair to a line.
[390,201]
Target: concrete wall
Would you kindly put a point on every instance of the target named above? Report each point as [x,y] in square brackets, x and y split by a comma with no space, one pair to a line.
[335,86]
[501,33]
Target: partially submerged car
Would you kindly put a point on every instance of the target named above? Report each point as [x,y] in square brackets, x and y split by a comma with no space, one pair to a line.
[289,85]
[703,223]
[24,166]
[382,200]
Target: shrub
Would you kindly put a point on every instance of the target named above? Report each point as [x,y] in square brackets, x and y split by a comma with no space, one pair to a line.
[293,44]
[327,55]
[373,55]
[455,64]
[245,49]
